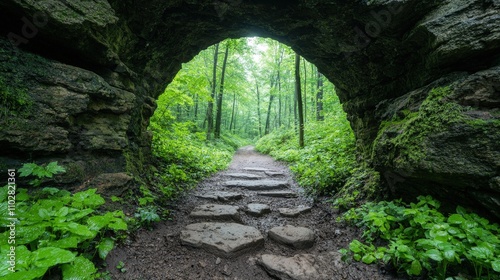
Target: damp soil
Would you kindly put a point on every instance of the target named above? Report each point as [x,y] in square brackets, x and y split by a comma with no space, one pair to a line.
[159,254]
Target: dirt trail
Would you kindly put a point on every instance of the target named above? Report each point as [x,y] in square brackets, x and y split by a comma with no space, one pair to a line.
[159,254]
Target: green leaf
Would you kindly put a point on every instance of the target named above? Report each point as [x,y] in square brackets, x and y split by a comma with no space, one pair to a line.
[23,258]
[3,194]
[27,169]
[456,219]
[80,269]
[450,255]
[86,199]
[105,246]
[97,222]
[50,256]
[434,254]
[65,243]
[415,268]
[368,258]
[53,168]
[496,265]
[27,234]
[78,229]
[34,273]
[355,246]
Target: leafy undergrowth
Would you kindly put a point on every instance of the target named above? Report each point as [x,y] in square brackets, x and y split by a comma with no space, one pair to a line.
[326,161]
[424,243]
[185,157]
[53,232]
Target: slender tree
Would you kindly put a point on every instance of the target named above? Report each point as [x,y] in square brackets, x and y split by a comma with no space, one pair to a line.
[218,118]
[319,99]
[298,95]
[258,107]
[210,108]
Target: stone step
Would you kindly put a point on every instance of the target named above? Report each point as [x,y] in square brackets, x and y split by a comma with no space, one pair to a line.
[274,173]
[222,239]
[258,185]
[325,266]
[216,212]
[294,212]
[257,169]
[257,209]
[282,194]
[296,237]
[246,176]
[221,196]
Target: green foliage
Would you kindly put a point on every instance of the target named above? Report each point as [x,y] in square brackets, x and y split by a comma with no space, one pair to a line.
[57,229]
[185,157]
[326,161]
[40,172]
[147,216]
[421,240]
[407,134]
[363,184]
[14,101]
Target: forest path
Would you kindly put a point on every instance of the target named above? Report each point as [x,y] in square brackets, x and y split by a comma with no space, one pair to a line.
[230,228]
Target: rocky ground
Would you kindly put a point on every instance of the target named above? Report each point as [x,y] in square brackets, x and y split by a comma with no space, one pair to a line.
[249,222]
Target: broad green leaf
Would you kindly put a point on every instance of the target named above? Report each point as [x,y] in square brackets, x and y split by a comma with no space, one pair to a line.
[456,219]
[50,256]
[415,268]
[23,258]
[117,224]
[3,194]
[97,222]
[27,234]
[53,168]
[434,254]
[86,199]
[78,229]
[355,246]
[62,212]
[65,243]
[80,269]
[34,273]
[496,265]
[4,265]
[105,246]
[368,258]
[27,169]
[450,255]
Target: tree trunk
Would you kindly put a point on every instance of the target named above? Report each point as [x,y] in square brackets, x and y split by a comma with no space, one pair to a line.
[232,113]
[298,95]
[258,108]
[218,118]
[210,108]
[319,99]
[268,117]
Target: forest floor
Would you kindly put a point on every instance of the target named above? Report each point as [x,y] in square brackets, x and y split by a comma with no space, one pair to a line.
[160,253]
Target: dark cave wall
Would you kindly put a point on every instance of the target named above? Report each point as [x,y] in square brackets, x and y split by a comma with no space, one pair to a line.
[94,69]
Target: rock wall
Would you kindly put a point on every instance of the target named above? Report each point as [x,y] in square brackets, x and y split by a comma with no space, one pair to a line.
[94,68]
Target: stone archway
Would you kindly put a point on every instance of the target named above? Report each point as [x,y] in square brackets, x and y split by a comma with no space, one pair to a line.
[94,69]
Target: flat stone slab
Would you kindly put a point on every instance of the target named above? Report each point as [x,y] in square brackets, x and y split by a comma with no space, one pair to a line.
[325,266]
[221,196]
[294,212]
[258,185]
[297,237]
[257,209]
[257,169]
[274,173]
[216,212]
[222,239]
[283,194]
[246,176]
